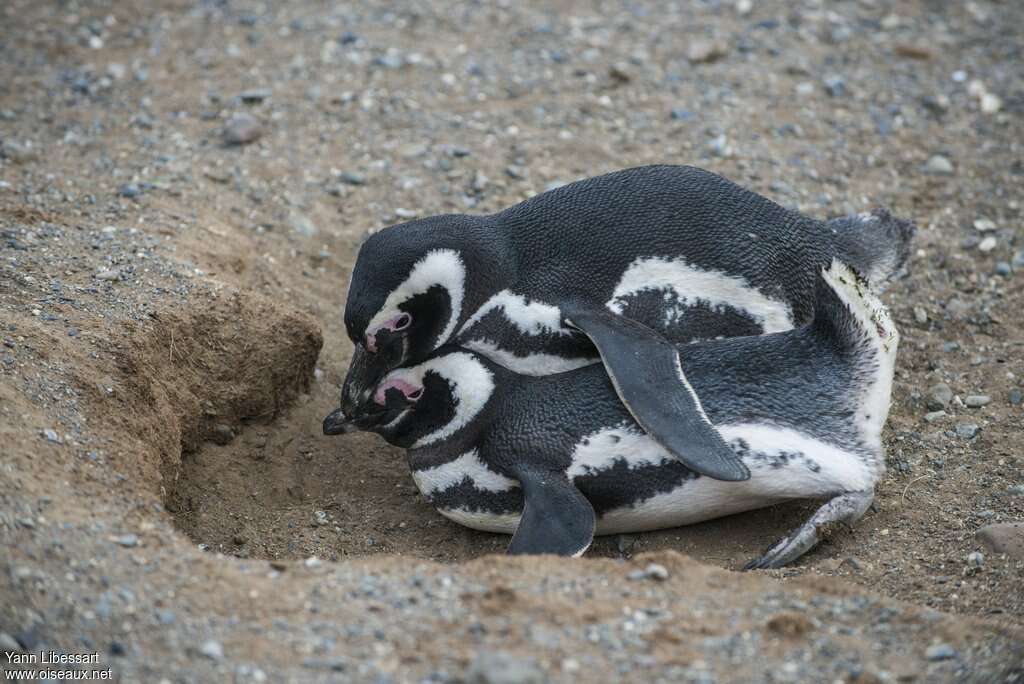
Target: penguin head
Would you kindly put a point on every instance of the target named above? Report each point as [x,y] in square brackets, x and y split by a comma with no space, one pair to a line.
[420,405]
[405,299]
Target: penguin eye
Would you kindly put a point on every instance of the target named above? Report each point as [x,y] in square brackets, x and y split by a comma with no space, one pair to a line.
[403,322]
[415,396]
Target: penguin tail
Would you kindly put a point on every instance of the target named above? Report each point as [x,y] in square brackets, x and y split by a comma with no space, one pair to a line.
[849,313]
[852,322]
[875,243]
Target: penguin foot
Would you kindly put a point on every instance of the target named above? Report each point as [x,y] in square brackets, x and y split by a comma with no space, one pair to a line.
[845,509]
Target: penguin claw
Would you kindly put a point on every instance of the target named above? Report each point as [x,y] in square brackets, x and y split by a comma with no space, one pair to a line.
[770,559]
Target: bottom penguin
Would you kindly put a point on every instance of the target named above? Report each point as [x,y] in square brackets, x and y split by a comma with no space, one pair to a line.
[557,459]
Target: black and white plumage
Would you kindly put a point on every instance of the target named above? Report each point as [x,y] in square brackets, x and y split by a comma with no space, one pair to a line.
[557,458]
[552,284]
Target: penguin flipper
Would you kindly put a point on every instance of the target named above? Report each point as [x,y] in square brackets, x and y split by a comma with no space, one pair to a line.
[556,519]
[648,377]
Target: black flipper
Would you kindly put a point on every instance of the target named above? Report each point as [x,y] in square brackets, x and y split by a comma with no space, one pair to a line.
[648,377]
[557,518]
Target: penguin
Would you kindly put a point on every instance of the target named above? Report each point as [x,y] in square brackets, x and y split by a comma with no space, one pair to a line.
[562,280]
[556,459]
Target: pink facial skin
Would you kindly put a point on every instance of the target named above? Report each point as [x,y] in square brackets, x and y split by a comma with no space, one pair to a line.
[399,322]
[412,392]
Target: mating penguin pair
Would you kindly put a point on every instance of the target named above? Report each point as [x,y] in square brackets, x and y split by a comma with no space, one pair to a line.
[609,269]
[561,280]
[556,459]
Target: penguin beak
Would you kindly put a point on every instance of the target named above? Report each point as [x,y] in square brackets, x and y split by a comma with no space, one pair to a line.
[364,372]
[337,424]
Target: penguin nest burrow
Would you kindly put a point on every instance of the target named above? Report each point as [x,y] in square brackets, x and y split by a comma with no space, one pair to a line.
[228,398]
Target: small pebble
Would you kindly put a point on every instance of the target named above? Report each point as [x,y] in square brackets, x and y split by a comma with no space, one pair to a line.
[988,244]
[975,559]
[1016,397]
[1003,269]
[242,129]
[920,315]
[497,667]
[834,85]
[990,103]
[977,400]
[51,435]
[129,190]
[653,571]
[8,644]
[222,434]
[967,430]
[939,165]
[933,416]
[702,51]
[126,540]
[940,652]
[212,650]
[984,225]
[254,96]
[1018,259]
[939,397]
[352,178]
[109,274]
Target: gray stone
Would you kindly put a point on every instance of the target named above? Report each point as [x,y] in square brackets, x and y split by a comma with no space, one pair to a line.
[126,540]
[503,668]
[51,435]
[17,152]
[254,95]
[212,649]
[933,416]
[1018,259]
[1005,538]
[939,397]
[967,430]
[352,178]
[920,315]
[129,190]
[703,50]
[984,225]
[8,643]
[834,85]
[222,434]
[975,559]
[109,274]
[940,652]
[939,165]
[1003,269]
[1015,397]
[242,129]
[977,400]
[653,571]
[303,225]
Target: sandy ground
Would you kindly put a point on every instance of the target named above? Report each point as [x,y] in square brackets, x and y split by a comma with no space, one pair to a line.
[170,317]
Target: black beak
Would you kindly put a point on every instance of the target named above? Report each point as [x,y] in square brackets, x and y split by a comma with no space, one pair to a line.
[337,424]
[364,373]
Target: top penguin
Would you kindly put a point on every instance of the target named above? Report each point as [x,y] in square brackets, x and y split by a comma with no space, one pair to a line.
[614,269]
